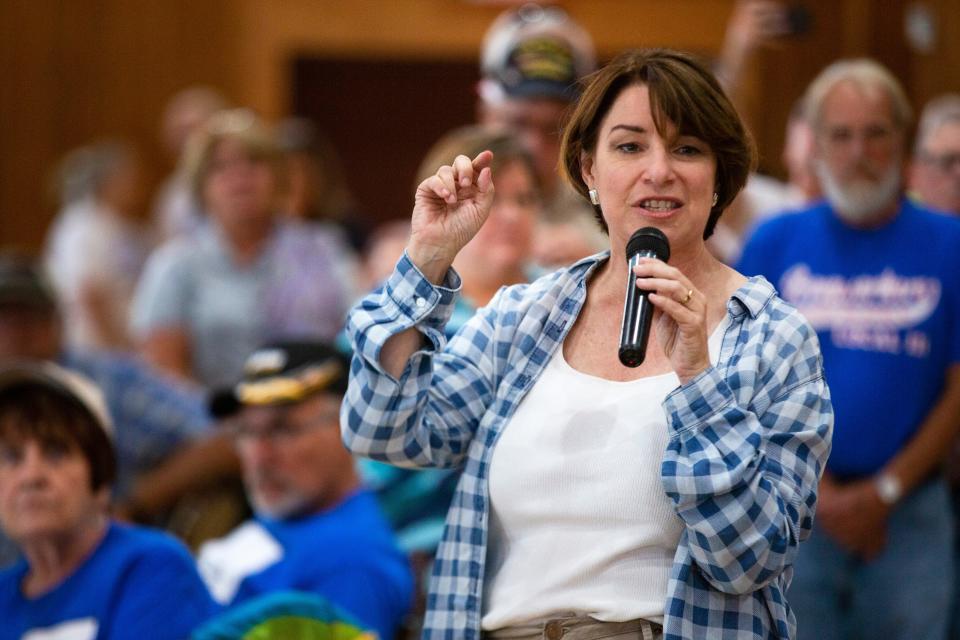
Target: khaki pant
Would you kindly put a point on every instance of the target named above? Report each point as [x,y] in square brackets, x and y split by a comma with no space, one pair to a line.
[580,628]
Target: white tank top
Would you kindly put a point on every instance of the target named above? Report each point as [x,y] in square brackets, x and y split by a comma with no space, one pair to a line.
[579,521]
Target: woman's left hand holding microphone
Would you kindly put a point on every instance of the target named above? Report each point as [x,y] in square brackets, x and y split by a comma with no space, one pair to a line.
[680,322]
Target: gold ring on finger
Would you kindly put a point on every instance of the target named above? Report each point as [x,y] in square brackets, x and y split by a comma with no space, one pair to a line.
[687,298]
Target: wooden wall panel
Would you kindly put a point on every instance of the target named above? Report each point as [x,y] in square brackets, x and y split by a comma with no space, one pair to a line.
[442,29]
[78,71]
[383,116]
[75,71]
[937,71]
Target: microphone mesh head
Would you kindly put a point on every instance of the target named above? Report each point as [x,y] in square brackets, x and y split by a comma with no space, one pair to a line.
[649,239]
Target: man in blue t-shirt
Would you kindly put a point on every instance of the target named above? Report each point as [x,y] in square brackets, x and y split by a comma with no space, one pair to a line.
[879,278]
[316,529]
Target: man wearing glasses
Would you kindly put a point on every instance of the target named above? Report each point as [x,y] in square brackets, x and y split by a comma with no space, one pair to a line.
[315,529]
[935,170]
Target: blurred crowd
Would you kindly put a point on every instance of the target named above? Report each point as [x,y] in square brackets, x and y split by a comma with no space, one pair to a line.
[183,370]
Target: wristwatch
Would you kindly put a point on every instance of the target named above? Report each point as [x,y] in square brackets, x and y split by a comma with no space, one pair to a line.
[889,488]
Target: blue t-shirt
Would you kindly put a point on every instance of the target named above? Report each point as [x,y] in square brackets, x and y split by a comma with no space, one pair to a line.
[886,306]
[346,554]
[137,583]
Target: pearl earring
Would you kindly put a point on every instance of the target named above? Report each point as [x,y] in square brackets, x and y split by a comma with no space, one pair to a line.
[716,197]
[594,196]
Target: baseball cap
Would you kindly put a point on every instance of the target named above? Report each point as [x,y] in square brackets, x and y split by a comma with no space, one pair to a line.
[64,381]
[535,52]
[23,283]
[283,373]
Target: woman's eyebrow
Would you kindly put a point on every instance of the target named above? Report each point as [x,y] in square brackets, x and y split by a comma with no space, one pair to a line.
[628,127]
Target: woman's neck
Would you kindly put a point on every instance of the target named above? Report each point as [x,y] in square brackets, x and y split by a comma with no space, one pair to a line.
[246,241]
[51,559]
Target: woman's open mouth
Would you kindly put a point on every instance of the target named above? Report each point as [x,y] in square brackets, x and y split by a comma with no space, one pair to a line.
[658,207]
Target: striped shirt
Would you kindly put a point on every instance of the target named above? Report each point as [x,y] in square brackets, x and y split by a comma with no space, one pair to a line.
[749,438]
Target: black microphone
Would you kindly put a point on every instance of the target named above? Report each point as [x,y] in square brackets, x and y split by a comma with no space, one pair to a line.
[648,242]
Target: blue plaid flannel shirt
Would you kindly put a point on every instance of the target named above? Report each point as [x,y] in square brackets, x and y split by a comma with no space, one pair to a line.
[749,439]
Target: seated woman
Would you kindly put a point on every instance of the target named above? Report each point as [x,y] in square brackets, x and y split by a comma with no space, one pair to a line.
[245,276]
[84,576]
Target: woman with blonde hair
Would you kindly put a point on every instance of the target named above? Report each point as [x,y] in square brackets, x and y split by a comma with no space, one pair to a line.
[246,276]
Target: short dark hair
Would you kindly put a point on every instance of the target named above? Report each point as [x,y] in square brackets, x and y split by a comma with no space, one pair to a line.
[34,411]
[682,91]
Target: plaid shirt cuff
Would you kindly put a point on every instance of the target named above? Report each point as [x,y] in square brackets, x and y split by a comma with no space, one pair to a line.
[690,406]
[418,299]
[406,299]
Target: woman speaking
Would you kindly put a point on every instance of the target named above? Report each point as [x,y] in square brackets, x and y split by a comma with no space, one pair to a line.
[599,500]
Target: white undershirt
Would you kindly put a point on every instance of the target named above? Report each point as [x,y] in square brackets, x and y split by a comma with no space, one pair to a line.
[579,521]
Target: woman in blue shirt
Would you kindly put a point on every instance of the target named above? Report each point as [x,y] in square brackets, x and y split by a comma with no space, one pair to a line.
[83,576]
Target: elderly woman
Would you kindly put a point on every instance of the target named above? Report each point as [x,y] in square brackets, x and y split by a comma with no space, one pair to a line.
[596,500]
[83,576]
[246,276]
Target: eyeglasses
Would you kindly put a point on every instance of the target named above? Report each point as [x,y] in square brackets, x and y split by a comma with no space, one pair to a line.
[842,136]
[280,433]
[282,430]
[945,162]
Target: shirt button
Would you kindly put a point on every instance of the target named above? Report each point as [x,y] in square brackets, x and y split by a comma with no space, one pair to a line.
[420,302]
[553,630]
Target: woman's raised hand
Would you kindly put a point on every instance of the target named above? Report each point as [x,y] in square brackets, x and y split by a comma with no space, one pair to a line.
[449,208]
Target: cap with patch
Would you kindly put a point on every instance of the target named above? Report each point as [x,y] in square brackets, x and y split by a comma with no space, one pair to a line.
[70,383]
[23,283]
[535,52]
[284,373]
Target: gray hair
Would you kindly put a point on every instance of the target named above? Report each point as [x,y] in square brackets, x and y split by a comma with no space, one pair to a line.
[83,171]
[939,111]
[868,76]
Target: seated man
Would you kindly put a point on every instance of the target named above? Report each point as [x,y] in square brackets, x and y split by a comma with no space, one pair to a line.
[83,576]
[316,529]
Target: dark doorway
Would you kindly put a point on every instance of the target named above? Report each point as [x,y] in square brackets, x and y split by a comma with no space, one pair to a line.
[382,116]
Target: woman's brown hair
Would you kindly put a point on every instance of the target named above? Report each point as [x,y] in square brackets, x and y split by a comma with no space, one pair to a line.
[684,93]
[56,419]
